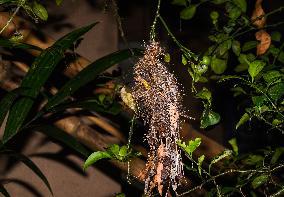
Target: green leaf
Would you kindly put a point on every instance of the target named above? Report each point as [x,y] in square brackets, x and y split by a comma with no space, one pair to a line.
[258,100]
[241,68]
[120,195]
[188,12]
[277,153]
[88,74]
[281,57]
[3,190]
[242,4]
[123,151]
[218,65]
[191,147]
[30,164]
[204,94]
[276,36]
[36,77]
[200,161]
[209,118]
[63,137]
[224,154]
[183,60]
[224,47]
[255,67]
[58,2]
[114,149]
[276,91]
[167,57]
[271,76]
[179,2]
[17,45]
[233,11]
[7,101]
[5,1]
[260,180]
[40,11]
[94,157]
[89,104]
[249,45]
[218,1]
[245,117]
[254,160]
[236,47]
[234,144]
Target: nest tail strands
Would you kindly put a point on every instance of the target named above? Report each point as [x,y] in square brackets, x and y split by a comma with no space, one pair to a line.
[158,99]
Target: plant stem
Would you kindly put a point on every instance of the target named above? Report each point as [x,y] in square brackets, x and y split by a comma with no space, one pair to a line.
[21,3]
[182,48]
[153,27]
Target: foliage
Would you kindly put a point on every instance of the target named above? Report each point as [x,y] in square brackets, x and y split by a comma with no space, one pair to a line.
[122,154]
[21,101]
[244,53]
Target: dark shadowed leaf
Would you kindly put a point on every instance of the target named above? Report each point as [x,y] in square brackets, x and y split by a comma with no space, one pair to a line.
[249,45]
[236,47]
[7,101]
[276,36]
[30,164]
[63,137]
[36,77]
[188,12]
[242,4]
[179,2]
[17,45]
[276,155]
[276,91]
[88,74]
[4,191]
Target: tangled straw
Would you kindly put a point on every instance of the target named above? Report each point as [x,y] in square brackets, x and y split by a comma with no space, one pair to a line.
[158,101]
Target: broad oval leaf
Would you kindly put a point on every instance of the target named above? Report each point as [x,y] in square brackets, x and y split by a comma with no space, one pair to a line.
[179,2]
[188,12]
[242,4]
[276,36]
[249,45]
[40,11]
[236,47]
[276,91]
[218,65]
[36,77]
[94,157]
[255,67]
[260,180]
[209,118]
[204,94]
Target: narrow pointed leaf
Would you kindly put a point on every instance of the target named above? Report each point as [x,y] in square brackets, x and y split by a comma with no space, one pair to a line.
[63,137]
[17,45]
[7,101]
[88,74]
[36,77]
[4,191]
[30,164]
